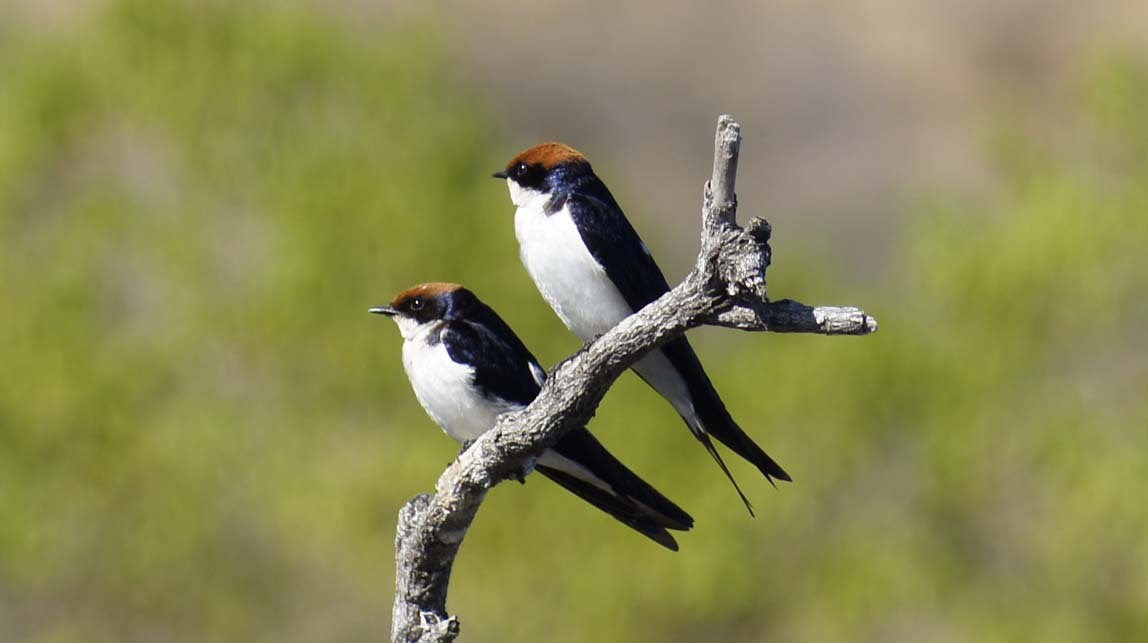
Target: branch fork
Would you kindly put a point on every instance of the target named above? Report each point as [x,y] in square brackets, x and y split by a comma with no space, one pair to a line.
[727,287]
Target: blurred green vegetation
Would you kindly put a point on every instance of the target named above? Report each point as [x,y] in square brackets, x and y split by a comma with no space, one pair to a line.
[204,437]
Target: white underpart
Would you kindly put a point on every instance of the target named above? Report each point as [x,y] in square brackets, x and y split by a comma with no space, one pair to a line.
[446,388]
[579,290]
[446,391]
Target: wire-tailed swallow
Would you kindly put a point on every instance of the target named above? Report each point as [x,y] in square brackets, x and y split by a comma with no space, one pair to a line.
[594,271]
[467,367]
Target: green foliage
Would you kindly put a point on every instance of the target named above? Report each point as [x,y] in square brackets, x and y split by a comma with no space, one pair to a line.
[199,202]
[204,437]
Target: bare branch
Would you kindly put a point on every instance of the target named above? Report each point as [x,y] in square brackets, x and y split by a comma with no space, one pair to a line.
[726,288]
[788,316]
[720,199]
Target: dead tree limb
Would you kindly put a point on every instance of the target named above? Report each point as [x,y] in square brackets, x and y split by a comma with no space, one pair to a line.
[725,288]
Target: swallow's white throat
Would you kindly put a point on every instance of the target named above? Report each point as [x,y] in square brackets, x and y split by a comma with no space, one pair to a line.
[526,197]
[410,328]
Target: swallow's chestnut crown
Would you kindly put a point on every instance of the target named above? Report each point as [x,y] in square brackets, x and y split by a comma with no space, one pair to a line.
[531,167]
[410,298]
[547,156]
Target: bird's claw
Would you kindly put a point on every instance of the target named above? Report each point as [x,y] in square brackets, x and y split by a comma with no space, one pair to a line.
[525,470]
[466,444]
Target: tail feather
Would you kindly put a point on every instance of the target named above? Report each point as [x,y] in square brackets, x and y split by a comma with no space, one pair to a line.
[721,426]
[628,513]
[585,468]
[704,438]
[712,414]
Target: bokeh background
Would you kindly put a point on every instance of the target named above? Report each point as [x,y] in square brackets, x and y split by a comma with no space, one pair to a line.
[204,437]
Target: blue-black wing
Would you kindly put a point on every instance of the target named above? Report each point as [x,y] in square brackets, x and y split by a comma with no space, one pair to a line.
[582,447]
[503,368]
[616,246]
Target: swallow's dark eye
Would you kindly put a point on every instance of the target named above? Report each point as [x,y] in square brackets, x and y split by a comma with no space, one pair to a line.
[417,303]
[520,170]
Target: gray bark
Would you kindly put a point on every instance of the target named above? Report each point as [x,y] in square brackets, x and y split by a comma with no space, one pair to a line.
[725,288]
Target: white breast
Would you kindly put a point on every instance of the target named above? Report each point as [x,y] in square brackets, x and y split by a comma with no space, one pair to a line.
[446,390]
[578,289]
[565,272]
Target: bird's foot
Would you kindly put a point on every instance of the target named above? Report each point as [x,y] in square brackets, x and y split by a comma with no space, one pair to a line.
[527,469]
[466,444]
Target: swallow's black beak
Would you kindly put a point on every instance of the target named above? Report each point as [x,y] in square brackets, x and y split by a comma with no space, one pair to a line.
[384,310]
[501,174]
